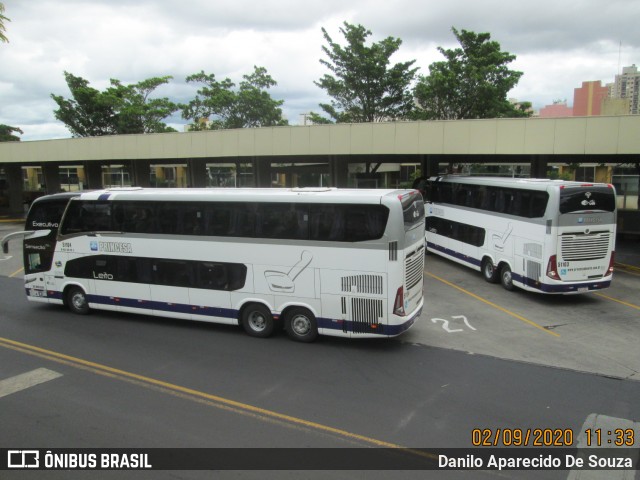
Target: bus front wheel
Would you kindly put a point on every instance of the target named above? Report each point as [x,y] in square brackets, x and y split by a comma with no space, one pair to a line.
[489,271]
[506,278]
[257,320]
[301,325]
[77,301]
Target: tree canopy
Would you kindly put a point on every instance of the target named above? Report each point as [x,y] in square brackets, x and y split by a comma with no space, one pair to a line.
[3,19]
[473,82]
[362,84]
[218,105]
[119,109]
[7,133]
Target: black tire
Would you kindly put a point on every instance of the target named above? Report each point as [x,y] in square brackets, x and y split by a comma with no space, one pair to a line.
[301,325]
[257,320]
[77,301]
[489,271]
[506,278]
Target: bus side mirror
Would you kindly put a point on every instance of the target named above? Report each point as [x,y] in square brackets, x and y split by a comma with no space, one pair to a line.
[39,233]
[26,234]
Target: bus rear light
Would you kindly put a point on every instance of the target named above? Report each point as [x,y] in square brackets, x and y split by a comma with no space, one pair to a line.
[552,268]
[398,305]
[611,262]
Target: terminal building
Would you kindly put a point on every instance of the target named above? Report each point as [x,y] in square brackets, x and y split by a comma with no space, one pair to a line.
[365,155]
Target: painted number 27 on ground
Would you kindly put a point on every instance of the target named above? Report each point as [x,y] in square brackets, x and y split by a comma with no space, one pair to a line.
[456,318]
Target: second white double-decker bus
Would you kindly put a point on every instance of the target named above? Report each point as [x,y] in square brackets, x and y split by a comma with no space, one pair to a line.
[317,261]
[547,236]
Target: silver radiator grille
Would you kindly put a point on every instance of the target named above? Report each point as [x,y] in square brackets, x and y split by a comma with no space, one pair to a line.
[366,310]
[532,250]
[534,270]
[413,268]
[366,316]
[585,246]
[369,284]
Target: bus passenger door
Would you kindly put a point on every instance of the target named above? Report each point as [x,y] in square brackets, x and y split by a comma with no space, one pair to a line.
[170,284]
[104,287]
[210,296]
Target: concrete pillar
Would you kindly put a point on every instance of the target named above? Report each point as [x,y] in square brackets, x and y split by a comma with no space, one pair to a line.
[13,173]
[51,173]
[93,175]
[339,168]
[197,173]
[262,172]
[141,170]
[431,165]
[539,165]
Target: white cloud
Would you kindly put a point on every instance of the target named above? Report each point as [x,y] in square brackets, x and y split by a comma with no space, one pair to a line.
[558,45]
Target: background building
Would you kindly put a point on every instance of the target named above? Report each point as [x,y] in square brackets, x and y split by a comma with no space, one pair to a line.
[587,100]
[558,109]
[627,85]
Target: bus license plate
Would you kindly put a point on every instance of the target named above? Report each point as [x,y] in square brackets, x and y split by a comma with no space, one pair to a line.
[38,293]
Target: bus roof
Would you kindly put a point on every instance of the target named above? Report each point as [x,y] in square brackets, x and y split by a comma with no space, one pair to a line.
[528,183]
[307,195]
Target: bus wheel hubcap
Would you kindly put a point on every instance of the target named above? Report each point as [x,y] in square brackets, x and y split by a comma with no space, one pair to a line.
[78,300]
[301,325]
[257,321]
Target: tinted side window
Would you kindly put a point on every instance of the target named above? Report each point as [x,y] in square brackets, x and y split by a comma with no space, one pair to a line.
[347,223]
[87,216]
[220,276]
[175,273]
[462,232]
[231,219]
[283,220]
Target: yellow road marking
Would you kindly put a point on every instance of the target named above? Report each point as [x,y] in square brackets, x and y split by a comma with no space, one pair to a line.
[631,269]
[498,307]
[618,301]
[16,272]
[201,397]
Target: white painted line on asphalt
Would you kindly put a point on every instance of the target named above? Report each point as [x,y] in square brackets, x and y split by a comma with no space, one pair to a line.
[26,380]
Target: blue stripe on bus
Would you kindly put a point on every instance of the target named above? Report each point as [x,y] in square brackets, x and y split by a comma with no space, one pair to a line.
[349,326]
[326,323]
[163,306]
[453,253]
[104,196]
[543,287]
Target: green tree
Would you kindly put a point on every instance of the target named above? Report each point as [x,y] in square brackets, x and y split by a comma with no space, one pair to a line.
[137,112]
[218,105]
[7,133]
[362,84]
[3,19]
[473,82]
[120,109]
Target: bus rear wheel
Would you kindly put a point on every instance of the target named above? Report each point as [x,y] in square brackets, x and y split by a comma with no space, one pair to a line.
[489,271]
[301,325]
[506,278]
[77,301]
[257,320]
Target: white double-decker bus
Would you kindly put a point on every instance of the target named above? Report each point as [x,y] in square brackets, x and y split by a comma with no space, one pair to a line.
[547,236]
[316,261]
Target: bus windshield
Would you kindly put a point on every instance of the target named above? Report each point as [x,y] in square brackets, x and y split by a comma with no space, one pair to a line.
[44,214]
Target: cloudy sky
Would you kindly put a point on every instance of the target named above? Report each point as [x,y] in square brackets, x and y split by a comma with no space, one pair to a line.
[558,44]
